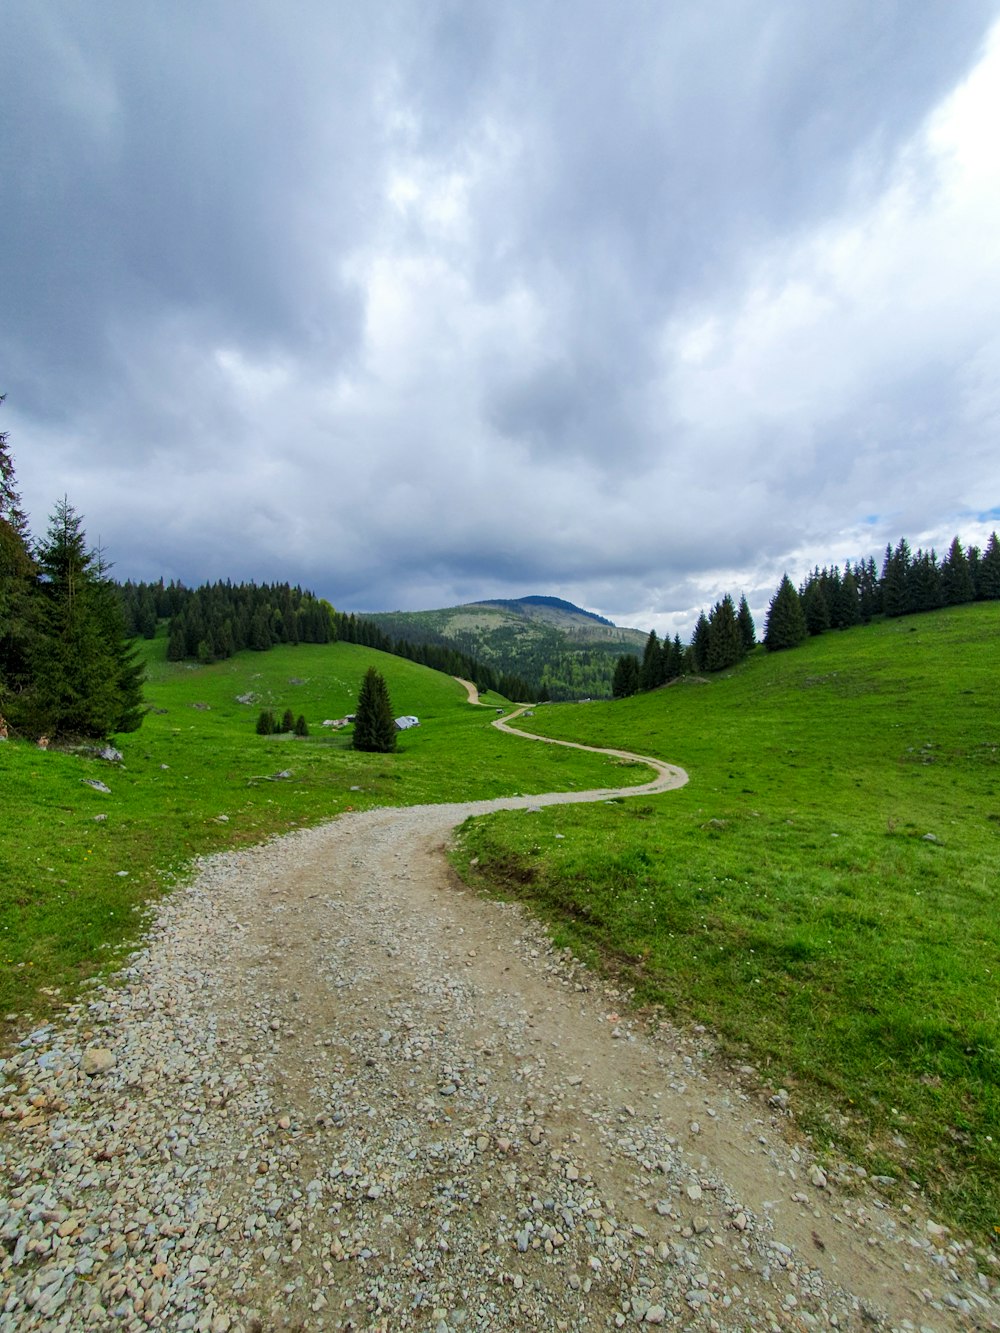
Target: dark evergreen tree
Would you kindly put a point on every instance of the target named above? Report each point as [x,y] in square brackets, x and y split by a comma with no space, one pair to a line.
[85,677]
[374,725]
[896,597]
[176,644]
[957,585]
[677,663]
[748,631]
[651,671]
[301,726]
[287,720]
[869,591]
[144,622]
[724,643]
[10,502]
[988,587]
[626,678]
[265,722]
[924,592]
[17,571]
[786,623]
[814,607]
[699,643]
[845,610]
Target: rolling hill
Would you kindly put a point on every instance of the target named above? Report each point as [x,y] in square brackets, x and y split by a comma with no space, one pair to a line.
[547,641]
[822,895]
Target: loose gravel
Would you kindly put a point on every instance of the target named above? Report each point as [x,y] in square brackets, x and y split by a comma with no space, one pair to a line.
[335,1090]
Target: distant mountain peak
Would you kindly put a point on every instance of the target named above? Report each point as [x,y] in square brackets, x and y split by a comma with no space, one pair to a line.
[555,603]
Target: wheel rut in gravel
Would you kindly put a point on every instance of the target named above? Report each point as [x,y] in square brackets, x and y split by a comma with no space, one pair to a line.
[339,1091]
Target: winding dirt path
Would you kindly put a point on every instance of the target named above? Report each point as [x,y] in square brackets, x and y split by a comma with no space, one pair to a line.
[340,1091]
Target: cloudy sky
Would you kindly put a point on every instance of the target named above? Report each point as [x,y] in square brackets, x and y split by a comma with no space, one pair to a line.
[418,302]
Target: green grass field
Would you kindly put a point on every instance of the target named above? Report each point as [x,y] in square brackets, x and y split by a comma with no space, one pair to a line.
[789,897]
[195,779]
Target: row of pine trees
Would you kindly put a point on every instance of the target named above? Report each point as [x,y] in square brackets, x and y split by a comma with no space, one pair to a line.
[214,621]
[67,666]
[909,582]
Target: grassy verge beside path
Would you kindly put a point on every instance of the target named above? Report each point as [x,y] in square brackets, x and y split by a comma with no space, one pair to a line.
[78,866]
[823,893]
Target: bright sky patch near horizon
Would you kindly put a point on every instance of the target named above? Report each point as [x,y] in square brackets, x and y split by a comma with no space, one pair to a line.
[416,304]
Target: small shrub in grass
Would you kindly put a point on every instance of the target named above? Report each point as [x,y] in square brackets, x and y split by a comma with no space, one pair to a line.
[301,727]
[265,722]
[288,720]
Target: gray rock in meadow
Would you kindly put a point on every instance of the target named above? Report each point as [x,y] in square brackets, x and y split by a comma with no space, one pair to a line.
[97,786]
[97,1060]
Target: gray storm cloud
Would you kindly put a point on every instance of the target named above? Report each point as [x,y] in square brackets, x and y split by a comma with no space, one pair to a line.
[416,304]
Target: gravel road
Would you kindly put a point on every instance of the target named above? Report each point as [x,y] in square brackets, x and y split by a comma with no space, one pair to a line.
[336,1090]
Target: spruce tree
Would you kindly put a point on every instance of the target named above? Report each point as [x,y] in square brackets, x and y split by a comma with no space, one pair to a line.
[814,607]
[924,582]
[988,587]
[869,591]
[724,643]
[956,577]
[699,643]
[748,631]
[374,725]
[846,608]
[678,659]
[10,502]
[85,676]
[896,589]
[626,677]
[786,622]
[17,571]
[651,671]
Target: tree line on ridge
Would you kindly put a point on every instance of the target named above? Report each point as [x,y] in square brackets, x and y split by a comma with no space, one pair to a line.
[909,582]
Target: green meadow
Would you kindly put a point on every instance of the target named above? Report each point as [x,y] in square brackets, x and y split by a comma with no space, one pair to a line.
[196,778]
[823,895]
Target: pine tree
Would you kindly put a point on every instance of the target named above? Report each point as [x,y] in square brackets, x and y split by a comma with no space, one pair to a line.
[301,726]
[988,587]
[16,575]
[869,592]
[896,592]
[265,722]
[626,678]
[10,502]
[786,622]
[846,608]
[724,643]
[924,582]
[814,607]
[748,631]
[651,671]
[85,676]
[374,725]
[678,662]
[288,720]
[957,585]
[699,643]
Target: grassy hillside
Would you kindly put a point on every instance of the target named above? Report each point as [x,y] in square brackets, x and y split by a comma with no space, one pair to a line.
[195,779]
[824,894]
[547,642]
